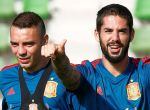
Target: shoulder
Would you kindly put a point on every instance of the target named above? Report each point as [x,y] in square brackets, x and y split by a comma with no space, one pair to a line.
[93,63]
[145,60]
[8,74]
[9,70]
[136,61]
[8,67]
[87,67]
[142,65]
[141,61]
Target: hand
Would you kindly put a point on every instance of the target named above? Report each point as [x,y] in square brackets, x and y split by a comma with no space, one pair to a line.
[53,50]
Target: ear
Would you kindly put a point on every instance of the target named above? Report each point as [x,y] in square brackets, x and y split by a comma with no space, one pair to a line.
[45,40]
[132,35]
[96,34]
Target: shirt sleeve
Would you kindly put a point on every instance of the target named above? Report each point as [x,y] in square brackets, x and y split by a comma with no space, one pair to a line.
[144,69]
[87,78]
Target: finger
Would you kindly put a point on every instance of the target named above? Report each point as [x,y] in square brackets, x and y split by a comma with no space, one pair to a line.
[48,50]
[62,43]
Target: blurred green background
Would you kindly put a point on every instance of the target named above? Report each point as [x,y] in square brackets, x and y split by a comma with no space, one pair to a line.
[10,8]
[74,20]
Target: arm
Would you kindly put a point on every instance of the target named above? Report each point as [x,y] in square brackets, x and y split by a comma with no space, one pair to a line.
[61,64]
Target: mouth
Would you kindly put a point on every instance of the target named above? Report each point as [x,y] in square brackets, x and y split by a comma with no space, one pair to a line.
[24,60]
[114,48]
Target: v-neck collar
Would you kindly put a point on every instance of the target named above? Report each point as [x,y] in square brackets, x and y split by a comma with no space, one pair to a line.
[104,72]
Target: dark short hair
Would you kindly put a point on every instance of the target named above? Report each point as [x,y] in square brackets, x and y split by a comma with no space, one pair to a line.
[114,9]
[29,19]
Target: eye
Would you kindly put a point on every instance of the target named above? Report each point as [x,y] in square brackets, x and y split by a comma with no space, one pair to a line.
[13,44]
[123,31]
[108,30]
[29,44]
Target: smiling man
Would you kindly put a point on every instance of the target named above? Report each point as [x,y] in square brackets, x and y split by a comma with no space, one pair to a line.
[114,82]
[31,84]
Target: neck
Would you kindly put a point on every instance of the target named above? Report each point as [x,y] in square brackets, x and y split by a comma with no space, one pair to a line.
[42,63]
[115,68]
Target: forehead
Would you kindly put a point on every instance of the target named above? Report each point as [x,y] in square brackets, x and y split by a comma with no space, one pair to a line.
[113,21]
[24,33]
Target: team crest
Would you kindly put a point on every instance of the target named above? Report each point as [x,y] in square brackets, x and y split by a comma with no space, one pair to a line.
[50,89]
[133,91]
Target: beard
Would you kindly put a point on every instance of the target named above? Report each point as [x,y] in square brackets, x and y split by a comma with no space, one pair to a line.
[118,58]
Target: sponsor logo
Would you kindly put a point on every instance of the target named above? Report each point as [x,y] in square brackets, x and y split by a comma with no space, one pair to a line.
[11,91]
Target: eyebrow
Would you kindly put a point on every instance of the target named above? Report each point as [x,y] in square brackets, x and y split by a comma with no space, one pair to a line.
[30,42]
[27,42]
[13,42]
[121,29]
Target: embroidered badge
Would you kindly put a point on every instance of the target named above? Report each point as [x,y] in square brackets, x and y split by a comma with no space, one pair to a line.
[50,89]
[11,91]
[133,91]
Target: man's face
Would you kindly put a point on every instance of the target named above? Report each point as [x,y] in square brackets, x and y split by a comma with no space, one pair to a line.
[26,46]
[114,37]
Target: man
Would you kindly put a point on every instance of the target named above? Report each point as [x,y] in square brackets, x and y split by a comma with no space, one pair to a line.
[31,84]
[115,82]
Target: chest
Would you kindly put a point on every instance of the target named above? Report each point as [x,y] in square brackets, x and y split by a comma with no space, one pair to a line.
[123,92]
[53,92]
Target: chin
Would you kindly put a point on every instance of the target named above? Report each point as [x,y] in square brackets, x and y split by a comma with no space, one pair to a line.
[25,65]
[115,55]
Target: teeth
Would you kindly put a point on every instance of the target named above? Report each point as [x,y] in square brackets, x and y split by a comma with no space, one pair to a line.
[114,47]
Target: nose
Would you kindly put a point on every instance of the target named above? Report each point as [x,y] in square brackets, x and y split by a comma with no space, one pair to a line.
[22,51]
[115,36]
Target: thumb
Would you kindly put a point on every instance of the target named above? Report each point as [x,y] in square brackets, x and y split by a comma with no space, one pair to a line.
[62,43]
